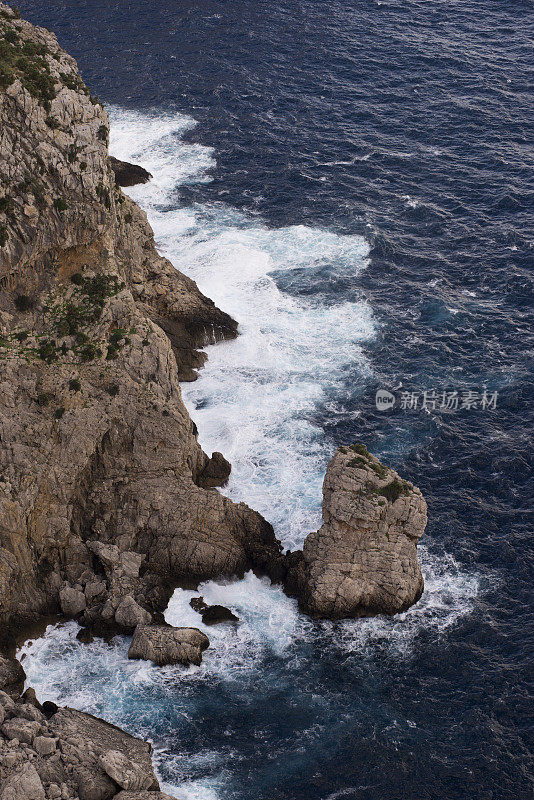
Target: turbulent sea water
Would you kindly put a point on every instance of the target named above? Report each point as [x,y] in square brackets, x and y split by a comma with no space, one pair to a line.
[353,182]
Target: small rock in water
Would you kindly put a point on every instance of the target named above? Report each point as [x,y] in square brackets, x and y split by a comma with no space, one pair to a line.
[198,604]
[163,645]
[215,614]
[127,174]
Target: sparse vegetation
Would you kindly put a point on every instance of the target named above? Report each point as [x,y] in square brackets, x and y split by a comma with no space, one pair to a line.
[361,449]
[113,390]
[393,490]
[75,385]
[60,204]
[59,412]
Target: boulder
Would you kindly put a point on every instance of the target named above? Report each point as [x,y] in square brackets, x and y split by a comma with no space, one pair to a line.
[25,730]
[94,784]
[129,614]
[127,174]
[72,601]
[24,784]
[44,745]
[363,560]
[198,604]
[125,772]
[215,614]
[163,644]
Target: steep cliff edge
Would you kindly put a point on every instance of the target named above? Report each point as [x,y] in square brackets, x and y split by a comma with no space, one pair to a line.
[96,330]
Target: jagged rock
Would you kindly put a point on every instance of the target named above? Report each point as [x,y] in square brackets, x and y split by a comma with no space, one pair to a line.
[72,601]
[126,774]
[127,174]
[94,785]
[215,473]
[163,644]
[129,614]
[11,672]
[215,614]
[198,604]
[25,730]
[363,560]
[93,738]
[25,784]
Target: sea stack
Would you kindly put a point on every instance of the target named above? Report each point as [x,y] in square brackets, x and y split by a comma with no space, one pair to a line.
[363,559]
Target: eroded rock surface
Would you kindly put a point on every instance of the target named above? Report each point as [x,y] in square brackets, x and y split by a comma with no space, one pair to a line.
[164,644]
[63,754]
[363,560]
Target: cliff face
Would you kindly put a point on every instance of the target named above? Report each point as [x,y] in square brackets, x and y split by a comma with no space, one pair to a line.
[96,330]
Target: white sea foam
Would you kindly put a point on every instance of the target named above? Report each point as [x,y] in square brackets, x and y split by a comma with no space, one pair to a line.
[256,398]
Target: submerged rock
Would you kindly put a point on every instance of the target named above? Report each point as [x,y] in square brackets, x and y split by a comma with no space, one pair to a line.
[363,560]
[163,644]
[127,174]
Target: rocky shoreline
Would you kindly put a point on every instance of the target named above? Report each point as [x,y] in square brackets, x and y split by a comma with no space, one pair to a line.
[107,501]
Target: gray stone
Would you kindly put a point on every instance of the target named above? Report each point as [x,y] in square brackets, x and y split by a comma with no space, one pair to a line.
[24,730]
[124,771]
[363,560]
[25,784]
[11,672]
[165,645]
[129,614]
[44,745]
[72,601]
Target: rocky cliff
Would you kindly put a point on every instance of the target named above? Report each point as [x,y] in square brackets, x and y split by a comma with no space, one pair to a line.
[105,494]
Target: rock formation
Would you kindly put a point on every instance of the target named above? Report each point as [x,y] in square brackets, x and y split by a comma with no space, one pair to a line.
[164,644]
[363,560]
[63,754]
[127,174]
[106,497]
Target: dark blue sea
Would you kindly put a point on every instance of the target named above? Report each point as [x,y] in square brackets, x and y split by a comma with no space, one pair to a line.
[353,181]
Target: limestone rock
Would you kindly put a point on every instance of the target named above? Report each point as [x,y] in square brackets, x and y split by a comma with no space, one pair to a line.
[24,730]
[363,560]
[44,745]
[72,601]
[124,772]
[25,784]
[166,645]
[129,614]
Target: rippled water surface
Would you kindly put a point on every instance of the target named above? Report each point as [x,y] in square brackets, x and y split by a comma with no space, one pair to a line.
[352,181]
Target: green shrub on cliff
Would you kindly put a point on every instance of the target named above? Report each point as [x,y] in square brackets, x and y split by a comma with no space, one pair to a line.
[393,490]
[27,62]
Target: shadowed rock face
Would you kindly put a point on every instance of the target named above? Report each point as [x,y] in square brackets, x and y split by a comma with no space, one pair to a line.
[127,174]
[363,560]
